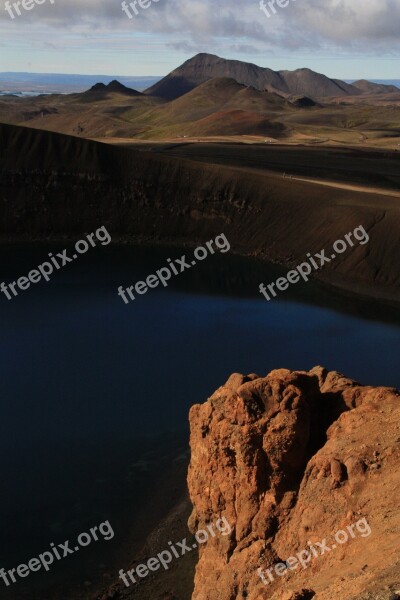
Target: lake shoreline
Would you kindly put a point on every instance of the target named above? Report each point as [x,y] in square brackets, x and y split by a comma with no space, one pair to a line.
[389,297]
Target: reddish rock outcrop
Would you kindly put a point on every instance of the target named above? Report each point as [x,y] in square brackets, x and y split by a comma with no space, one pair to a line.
[290,460]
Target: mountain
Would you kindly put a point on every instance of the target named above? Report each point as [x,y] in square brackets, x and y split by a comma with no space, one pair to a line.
[223,92]
[202,67]
[375,88]
[192,102]
[102,111]
[114,87]
[220,106]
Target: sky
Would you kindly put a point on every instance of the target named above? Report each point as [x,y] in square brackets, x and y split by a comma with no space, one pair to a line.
[347,39]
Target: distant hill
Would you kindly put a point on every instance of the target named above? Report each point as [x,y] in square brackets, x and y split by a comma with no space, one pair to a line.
[286,105]
[220,106]
[375,88]
[61,83]
[113,87]
[103,111]
[215,94]
[202,67]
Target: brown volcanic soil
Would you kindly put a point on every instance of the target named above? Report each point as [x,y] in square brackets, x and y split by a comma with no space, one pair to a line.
[220,106]
[289,459]
[103,111]
[350,165]
[237,122]
[54,186]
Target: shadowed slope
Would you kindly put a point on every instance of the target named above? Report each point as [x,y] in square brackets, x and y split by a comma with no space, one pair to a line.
[54,186]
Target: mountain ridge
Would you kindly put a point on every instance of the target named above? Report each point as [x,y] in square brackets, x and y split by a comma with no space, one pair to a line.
[203,67]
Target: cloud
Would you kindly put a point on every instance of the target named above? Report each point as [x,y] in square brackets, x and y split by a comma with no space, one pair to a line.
[364,26]
[351,21]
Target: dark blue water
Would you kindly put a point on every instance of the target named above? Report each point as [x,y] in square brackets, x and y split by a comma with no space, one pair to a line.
[90,386]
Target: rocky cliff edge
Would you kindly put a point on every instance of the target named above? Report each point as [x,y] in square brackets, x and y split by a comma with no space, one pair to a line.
[297,462]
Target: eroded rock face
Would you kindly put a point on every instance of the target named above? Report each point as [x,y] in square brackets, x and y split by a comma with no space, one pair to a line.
[290,459]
